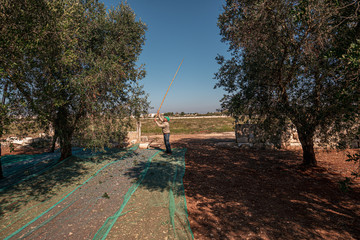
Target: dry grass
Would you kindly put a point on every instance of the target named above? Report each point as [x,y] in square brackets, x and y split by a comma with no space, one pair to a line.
[190,126]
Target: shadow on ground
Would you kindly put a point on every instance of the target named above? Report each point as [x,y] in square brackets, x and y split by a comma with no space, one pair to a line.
[67,174]
[259,194]
[162,173]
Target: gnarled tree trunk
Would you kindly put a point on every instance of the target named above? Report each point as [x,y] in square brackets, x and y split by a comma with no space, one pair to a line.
[53,143]
[1,170]
[64,130]
[2,123]
[65,145]
[307,143]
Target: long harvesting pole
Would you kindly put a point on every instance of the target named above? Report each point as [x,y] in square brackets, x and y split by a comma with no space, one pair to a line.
[170,86]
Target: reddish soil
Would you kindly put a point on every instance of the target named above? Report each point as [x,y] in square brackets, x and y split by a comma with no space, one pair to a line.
[17,150]
[233,193]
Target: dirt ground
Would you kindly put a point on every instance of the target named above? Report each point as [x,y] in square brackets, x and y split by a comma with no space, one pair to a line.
[233,193]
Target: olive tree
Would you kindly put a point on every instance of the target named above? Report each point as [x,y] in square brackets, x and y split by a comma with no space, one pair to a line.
[81,73]
[289,65]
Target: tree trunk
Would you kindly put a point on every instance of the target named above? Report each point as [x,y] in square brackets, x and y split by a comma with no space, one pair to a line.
[64,130]
[53,144]
[3,103]
[307,143]
[1,171]
[65,145]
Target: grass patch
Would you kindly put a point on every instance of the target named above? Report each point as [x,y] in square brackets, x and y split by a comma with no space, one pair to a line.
[190,126]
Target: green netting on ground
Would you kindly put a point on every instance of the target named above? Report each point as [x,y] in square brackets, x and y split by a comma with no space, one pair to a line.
[155,206]
[139,196]
[81,211]
[18,168]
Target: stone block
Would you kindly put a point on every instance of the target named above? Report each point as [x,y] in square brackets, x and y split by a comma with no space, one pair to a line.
[144,145]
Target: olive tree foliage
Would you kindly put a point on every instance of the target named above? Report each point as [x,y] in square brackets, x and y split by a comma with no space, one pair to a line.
[292,63]
[23,26]
[353,61]
[78,71]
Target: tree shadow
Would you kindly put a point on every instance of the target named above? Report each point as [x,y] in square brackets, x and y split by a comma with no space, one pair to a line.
[264,194]
[27,188]
[162,173]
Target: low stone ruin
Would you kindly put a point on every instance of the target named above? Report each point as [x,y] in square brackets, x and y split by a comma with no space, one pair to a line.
[246,138]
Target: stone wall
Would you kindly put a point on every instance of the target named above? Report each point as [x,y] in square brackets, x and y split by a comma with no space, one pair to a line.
[244,134]
[134,137]
[246,137]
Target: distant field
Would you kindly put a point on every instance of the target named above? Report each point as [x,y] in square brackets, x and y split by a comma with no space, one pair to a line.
[190,126]
[184,125]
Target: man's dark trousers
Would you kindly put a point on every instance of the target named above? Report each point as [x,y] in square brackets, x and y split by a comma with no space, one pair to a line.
[167,142]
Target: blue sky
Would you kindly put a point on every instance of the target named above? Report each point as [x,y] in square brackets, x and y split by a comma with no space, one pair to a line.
[180,29]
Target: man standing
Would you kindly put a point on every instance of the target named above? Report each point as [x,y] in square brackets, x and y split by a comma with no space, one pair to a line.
[164,124]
